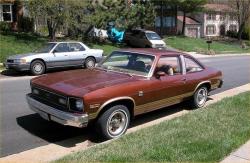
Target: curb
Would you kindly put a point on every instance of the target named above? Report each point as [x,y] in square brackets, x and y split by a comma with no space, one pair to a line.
[198,55]
[56,150]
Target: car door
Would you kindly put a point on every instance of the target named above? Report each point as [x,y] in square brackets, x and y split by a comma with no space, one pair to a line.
[77,54]
[60,56]
[164,90]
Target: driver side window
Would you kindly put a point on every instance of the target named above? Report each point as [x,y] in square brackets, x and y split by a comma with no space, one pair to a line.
[169,65]
[62,47]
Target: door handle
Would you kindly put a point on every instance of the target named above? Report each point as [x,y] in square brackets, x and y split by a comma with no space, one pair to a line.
[184,79]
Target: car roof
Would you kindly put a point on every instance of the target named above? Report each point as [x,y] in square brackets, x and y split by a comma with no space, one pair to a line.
[152,51]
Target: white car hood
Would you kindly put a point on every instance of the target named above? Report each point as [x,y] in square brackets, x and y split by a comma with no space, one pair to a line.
[153,42]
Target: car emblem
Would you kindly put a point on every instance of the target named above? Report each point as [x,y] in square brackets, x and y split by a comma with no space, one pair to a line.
[140,93]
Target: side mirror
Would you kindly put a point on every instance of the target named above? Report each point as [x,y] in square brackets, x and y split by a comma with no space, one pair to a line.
[159,74]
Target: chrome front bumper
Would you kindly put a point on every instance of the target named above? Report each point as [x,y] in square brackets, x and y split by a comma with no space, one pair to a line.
[52,114]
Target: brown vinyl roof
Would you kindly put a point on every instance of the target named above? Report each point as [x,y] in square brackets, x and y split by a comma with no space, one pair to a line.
[189,20]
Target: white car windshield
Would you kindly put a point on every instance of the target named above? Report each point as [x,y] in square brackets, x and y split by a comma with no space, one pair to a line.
[46,48]
[130,63]
[153,36]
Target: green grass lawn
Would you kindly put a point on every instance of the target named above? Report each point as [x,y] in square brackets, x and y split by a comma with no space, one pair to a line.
[18,43]
[12,44]
[203,135]
[200,45]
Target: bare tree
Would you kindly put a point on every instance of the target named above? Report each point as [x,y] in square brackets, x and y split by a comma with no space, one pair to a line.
[242,10]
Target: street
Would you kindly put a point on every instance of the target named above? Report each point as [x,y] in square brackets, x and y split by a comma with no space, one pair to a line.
[22,129]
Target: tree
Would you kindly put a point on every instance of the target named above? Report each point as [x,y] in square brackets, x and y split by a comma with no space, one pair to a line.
[186,6]
[242,10]
[57,12]
[126,16]
[189,6]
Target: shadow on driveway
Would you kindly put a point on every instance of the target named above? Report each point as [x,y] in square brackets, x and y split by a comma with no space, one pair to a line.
[59,134]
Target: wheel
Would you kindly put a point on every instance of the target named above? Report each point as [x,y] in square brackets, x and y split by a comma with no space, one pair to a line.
[200,97]
[114,122]
[37,67]
[89,62]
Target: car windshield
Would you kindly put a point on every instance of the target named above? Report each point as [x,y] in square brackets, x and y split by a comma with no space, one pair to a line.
[130,63]
[46,48]
[153,36]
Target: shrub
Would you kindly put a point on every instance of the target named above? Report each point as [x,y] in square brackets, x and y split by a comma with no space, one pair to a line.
[26,24]
[232,34]
[5,27]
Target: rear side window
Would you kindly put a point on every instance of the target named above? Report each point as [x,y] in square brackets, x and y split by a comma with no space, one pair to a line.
[75,47]
[192,66]
[169,65]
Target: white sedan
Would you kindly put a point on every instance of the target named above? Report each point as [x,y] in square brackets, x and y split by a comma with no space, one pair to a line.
[55,55]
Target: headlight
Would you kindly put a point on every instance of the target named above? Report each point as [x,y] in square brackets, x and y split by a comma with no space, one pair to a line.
[76,104]
[21,61]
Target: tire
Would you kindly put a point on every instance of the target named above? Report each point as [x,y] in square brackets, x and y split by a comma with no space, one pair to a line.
[200,97]
[112,115]
[89,62]
[37,67]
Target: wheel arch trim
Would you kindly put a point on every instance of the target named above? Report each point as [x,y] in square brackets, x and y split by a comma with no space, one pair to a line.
[201,83]
[110,101]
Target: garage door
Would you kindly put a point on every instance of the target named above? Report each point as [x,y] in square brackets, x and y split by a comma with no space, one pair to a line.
[192,32]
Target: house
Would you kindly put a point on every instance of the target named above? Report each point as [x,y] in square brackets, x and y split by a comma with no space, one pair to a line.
[192,27]
[215,20]
[11,11]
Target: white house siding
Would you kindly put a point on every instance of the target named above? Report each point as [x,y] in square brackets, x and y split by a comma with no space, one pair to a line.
[217,23]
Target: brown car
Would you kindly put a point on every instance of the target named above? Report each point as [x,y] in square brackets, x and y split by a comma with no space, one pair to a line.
[127,83]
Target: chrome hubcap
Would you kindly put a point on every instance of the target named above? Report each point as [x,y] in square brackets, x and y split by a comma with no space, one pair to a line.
[38,67]
[90,64]
[117,123]
[201,96]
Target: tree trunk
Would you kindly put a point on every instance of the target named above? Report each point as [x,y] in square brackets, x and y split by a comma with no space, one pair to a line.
[52,30]
[241,28]
[161,27]
[183,23]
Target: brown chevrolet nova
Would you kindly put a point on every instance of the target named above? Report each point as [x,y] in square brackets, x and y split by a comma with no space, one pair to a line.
[127,83]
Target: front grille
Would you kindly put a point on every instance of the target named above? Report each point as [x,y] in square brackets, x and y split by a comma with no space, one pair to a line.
[10,60]
[50,98]
[158,45]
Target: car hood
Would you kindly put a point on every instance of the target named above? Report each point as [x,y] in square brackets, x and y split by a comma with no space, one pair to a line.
[157,42]
[80,82]
[20,56]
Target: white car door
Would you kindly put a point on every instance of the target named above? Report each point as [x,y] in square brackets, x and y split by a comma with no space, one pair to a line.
[77,54]
[60,56]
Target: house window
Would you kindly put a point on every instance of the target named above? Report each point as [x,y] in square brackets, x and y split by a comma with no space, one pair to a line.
[211,16]
[232,18]
[210,29]
[166,21]
[6,12]
[233,28]
[222,17]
